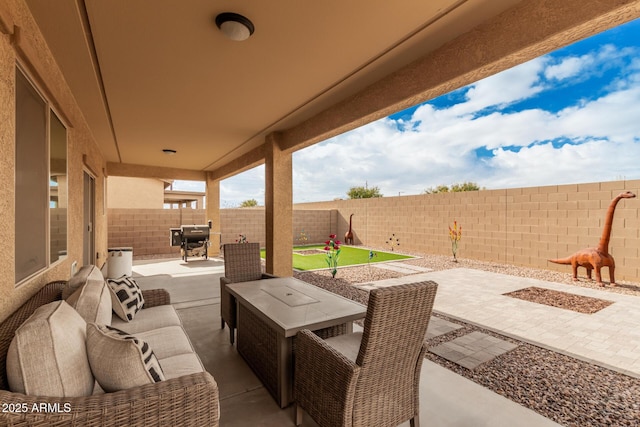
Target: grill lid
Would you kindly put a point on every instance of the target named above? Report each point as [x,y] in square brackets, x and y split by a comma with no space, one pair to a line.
[192,232]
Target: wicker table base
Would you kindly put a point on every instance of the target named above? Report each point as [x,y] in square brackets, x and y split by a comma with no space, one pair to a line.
[267,343]
[270,355]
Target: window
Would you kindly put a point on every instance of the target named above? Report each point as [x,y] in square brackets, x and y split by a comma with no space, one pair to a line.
[40,169]
[58,194]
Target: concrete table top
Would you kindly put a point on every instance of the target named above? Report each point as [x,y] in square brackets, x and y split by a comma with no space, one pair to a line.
[289,305]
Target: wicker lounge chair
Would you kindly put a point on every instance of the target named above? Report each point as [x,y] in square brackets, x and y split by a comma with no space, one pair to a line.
[371,378]
[241,264]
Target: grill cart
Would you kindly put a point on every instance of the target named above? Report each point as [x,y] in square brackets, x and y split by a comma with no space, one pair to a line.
[192,239]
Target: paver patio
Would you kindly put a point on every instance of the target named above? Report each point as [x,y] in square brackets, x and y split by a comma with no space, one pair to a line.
[471,350]
[609,338]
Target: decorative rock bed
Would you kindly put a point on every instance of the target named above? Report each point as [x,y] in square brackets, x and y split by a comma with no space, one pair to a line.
[578,303]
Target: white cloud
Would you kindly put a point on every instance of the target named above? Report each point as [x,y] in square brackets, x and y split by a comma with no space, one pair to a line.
[545,165]
[497,91]
[568,67]
[181,185]
[613,116]
[410,162]
[245,186]
[505,88]
[594,140]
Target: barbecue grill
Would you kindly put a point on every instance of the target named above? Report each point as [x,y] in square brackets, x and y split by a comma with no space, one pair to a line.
[192,239]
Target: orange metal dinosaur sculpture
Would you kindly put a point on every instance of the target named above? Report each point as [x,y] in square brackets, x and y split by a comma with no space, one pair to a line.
[348,236]
[596,258]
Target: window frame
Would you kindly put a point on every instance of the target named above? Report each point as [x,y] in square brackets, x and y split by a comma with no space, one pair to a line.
[52,111]
[49,110]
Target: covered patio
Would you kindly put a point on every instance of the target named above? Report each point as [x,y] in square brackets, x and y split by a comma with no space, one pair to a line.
[154,89]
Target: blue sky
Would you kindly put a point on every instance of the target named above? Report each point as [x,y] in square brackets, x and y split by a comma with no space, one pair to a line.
[570,116]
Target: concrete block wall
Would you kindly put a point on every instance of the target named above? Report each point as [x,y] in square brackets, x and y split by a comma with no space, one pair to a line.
[58,232]
[315,224]
[520,226]
[249,222]
[147,230]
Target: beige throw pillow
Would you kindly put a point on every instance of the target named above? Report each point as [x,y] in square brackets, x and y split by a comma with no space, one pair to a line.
[120,361]
[48,356]
[78,280]
[126,297]
[93,302]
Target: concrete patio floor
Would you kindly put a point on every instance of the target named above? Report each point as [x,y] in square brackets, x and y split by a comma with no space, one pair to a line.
[446,399]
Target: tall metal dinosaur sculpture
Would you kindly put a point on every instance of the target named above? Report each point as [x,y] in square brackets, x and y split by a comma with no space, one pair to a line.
[596,258]
[348,236]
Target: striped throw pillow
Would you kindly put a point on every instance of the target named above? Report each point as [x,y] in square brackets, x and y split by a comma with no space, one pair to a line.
[126,297]
[120,361]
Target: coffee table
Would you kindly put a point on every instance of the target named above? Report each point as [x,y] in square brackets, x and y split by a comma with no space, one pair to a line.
[272,311]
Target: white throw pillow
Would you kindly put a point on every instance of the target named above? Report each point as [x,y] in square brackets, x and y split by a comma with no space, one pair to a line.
[48,356]
[120,361]
[93,302]
[126,297]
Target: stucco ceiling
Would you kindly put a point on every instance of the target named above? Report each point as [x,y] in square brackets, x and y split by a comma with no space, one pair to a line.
[155,74]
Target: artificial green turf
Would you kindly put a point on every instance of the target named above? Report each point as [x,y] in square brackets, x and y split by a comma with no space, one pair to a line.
[348,256]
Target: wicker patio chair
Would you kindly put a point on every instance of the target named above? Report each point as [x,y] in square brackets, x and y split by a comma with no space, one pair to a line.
[241,264]
[370,378]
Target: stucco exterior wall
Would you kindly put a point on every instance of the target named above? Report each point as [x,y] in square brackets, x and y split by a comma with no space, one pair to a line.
[134,193]
[27,48]
[7,162]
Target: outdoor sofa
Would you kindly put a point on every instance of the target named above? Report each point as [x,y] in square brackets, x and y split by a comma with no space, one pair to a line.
[62,358]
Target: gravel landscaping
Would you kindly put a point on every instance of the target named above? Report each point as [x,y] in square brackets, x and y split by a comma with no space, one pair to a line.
[568,301]
[569,391]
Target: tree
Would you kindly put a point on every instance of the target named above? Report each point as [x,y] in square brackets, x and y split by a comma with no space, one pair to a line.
[363,192]
[455,188]
[249,203]
[438,189]
[465,186]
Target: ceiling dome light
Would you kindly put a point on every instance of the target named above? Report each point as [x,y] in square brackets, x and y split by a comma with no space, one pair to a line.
[234,26]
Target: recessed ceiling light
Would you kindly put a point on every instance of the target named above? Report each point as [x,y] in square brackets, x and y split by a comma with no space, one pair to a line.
[234,26]
[169,151]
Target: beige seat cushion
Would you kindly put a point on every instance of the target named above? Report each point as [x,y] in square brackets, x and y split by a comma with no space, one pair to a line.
[93,302]
[149,319]
[180,365]
[167,342]
[126,297]
[80,278]
[347,344]
[120,361]
[48,357]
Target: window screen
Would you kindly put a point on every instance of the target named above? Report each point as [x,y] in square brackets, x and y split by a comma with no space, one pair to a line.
[31,175]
